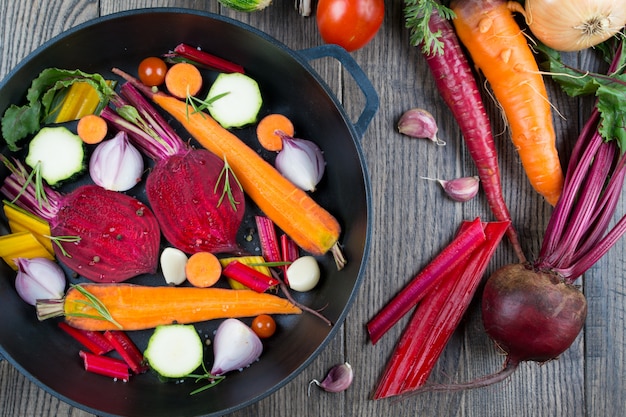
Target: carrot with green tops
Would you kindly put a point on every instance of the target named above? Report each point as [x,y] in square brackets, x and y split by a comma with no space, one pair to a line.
[499,49]
[312,227]
[100,307]
[457,86]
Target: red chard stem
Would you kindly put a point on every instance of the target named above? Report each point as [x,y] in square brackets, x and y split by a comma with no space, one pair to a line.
[452,255]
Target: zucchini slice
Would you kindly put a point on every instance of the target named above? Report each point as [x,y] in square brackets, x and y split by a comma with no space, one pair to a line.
[240,102]
[61,154]
[174,350]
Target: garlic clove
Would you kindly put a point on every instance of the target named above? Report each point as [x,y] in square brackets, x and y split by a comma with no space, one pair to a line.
[300,161]
[303,274]
[173,262]
[235,346]
[338,379]
[459,189]
[116,164]
[419,123]
[39,279]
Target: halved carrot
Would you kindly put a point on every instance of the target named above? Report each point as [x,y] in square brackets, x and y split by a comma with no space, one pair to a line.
[499,49]
[183,79]
[313,228]
[203,269]
[266,131]
[92,129]
[136,307]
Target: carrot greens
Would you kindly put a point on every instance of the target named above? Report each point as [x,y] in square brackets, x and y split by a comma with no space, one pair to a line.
[418,14]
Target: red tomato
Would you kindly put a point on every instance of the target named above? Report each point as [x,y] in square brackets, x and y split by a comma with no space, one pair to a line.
[152,71]
[349,23]
[264,326]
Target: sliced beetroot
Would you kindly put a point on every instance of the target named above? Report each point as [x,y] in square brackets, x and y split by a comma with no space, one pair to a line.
[194,214]
[186,193]
[119,235]
[102,235]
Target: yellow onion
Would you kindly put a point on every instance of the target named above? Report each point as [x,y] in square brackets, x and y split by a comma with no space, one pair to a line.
[573,25]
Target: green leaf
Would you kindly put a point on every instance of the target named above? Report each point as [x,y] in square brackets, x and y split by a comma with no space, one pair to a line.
[19,122]
[610,90]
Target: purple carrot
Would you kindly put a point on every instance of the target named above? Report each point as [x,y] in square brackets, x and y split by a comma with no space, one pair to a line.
[457,86]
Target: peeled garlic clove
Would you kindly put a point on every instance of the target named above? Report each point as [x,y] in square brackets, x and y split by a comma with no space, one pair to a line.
[301,162]
[419,123]
[235,346]
[39,279]
[173,262]
[303,274]
[338,379]
[116,164]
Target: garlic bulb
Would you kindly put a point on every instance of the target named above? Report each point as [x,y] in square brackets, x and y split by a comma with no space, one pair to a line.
[116,164]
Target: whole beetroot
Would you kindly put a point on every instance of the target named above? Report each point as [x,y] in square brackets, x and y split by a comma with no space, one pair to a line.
[531,315]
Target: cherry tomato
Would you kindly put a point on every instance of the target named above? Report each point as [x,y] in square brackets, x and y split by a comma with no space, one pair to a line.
[264,326]
[152,71]
[349,23]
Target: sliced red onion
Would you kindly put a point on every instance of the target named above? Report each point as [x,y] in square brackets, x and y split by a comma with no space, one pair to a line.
[116,164]
[301,162]
[39,279]
[235,346]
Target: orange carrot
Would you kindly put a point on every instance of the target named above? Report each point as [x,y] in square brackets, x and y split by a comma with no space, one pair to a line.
[203,269]
[309,225]
[183,79]
[136,307]
[92,129]
[499,49]
[266,131]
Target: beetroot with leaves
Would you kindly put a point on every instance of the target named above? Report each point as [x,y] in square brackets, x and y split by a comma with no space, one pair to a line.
[533,311]
[102,235]
[194,195]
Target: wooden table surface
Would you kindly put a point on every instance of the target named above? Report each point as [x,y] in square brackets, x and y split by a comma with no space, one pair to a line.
[411,221]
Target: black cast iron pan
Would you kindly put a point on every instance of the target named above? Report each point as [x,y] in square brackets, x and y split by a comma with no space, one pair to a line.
[290,86]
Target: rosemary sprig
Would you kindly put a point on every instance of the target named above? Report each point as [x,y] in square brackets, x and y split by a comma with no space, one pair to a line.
[213,380]
[93,302]
[227,190]
[58,239]
[199,105]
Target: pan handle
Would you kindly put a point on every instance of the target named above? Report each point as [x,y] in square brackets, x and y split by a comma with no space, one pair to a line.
[355,71]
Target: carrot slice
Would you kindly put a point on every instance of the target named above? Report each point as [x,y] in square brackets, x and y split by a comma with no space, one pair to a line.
[92,129]
[183,79]
[266,131]
[203,269]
